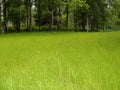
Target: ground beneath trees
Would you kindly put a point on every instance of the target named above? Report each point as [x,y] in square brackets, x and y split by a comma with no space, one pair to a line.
[60,61]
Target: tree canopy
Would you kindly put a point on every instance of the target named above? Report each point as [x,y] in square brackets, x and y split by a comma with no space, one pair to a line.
[51,15]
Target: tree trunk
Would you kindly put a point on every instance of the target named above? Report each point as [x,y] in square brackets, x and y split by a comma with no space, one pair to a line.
[92,27]
[87,27]
[84,21]
[27,22]
[39,23]
[51,20]
[51,15]
[18,26]
[97,27]
[83,26]
[39,11]
[3,17]
[30,16]
[67,16]
[58,23]
[30,19]
[75,24]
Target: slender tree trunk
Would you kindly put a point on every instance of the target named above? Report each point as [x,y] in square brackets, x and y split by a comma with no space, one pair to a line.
[39,22]
[58,19]
[83,26]
[30,16]
[30,19]
[87,27]
[67,16]
[27,22]
[51,15]
[27,4]
[3,16]
[92,27]
[51,20]
[75,24]
[97,27]
[103,27]
[39,25]
[39,11]
[58,23]
[18,26]
[84,20]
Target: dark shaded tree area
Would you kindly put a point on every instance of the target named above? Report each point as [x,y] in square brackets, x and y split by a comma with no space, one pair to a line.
[58,15]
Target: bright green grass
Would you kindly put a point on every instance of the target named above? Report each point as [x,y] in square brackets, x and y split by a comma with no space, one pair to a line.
[60,61]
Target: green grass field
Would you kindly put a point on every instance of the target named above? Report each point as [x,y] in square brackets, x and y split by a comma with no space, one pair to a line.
[60,61]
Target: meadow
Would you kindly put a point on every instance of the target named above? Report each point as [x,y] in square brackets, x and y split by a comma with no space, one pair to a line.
[60,61]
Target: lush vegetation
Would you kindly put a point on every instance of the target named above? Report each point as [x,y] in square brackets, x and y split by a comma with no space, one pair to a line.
[57,15]
[60,61]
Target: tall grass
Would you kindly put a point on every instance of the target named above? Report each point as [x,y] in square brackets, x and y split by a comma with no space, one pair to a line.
[60,61]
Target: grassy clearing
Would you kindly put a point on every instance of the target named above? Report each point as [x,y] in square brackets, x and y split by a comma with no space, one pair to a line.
[60,61]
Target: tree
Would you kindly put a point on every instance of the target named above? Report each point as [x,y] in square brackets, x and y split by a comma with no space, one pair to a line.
[30,2]
[85,15]
[3,15]
[28,6]
[67,12]
[79,8]
[38,4]
[16,13]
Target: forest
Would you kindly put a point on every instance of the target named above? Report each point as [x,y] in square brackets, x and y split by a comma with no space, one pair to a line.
[59,15]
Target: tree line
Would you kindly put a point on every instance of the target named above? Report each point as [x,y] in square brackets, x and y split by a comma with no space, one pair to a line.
[57,15]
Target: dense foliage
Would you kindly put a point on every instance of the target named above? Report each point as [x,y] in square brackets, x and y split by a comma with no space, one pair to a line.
[49,15]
